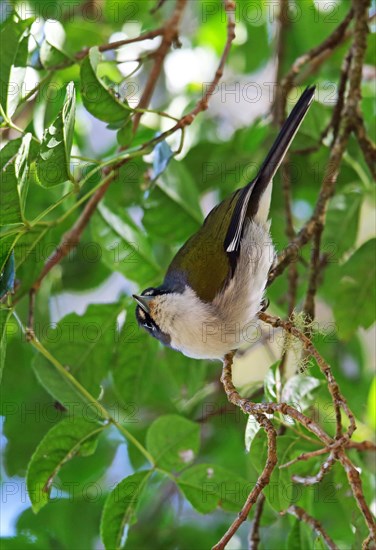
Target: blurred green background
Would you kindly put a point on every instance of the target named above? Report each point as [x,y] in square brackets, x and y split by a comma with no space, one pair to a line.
[84,315]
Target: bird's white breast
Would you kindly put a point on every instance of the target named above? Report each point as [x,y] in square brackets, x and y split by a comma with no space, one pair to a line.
[210,330]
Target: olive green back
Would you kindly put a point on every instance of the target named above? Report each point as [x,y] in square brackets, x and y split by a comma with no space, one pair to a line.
[202,262]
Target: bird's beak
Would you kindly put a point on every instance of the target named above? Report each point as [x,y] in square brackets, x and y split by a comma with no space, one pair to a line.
[143,301]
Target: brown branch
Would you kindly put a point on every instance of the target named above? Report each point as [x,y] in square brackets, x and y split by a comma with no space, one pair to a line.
[315,63]
[302,515]
[367,543]
[337,398]
[169,36]
[68,242]
[305,456]
[349,113]
[357,490]
[202,104]
[324,469]
[366,144]
[332,41]
[337,111]
[271,461]
[254,534]
[316,266]
[361,445]
[338,403]
[119,43]
[336,447]
[358,445]
[314,273]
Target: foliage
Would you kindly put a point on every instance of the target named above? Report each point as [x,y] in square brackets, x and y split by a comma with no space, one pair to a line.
[112,435]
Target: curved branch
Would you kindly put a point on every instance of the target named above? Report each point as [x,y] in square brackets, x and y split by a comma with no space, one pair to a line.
[302,515]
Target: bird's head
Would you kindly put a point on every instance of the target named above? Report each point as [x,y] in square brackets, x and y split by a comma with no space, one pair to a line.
[151,312]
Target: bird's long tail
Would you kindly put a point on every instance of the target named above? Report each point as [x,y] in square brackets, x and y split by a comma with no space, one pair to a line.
[285,137]
[254,198]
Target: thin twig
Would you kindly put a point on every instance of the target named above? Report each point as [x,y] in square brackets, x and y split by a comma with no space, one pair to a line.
[271,461]
[254,534]
[358,445]
[169,35]
[314,273]
[366,145]
[324,469]
[357,490]
[338,402]
[333,40]
[337,398]
[119,43]
[68,242]
[302,515]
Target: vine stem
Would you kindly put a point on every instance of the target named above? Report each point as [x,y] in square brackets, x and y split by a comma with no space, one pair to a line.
[105,415]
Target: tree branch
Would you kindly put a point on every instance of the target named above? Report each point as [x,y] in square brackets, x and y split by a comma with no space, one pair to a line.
[302,515]
[119,43]
[169,35]
[349,113]
[254,534]
[336,447]
[271,461]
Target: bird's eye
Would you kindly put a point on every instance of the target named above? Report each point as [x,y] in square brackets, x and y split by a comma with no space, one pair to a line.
[149,326]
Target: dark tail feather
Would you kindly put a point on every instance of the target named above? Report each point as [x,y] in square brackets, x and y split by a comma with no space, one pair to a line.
[283,141]
[249,197]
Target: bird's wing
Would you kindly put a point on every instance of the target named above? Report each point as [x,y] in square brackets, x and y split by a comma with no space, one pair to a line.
[202,262]
[208,258]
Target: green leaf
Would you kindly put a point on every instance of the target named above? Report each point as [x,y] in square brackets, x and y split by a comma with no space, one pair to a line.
[84,345]
[54,155]
[52,52]
[294,540]
[30,253]
[125,134]
[97,97]
[251,429]
[124,247]
[4,317]
[355,294]
[13,61]
[280,491]
[172,210]
[341,227]
[134,359]
[14,179]
[7,276]
[319,543]
[371,405]
[120,509]
[60,444]
[209,486]
[272,383]
[297,391]
[173,441]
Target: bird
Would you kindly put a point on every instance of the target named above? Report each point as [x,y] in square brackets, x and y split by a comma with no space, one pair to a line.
[214,287]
